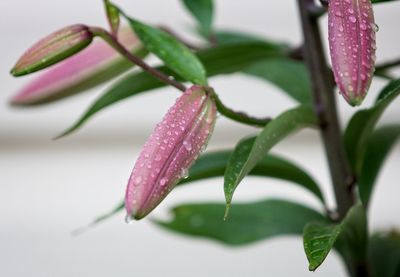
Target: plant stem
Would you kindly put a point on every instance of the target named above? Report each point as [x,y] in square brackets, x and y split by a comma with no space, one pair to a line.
[325,106]
[238,116]
[112,41]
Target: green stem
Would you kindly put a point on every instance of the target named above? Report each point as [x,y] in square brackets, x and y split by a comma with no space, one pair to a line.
[112,41]
[238,116]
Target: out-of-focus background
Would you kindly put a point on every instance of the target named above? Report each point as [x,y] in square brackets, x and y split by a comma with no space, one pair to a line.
[49,188]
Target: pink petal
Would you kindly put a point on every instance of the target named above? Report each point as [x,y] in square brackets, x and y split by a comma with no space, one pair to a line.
[352,47]
[171,149]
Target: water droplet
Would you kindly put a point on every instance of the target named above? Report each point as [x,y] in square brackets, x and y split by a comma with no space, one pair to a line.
[163,181]
[138,180]
[129,219]
[157,158]
[352,19]
[187,145]
[184,173]
[375,27]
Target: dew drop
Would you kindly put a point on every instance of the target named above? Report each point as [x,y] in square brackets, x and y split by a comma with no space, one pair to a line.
[163,181]
[138,180]
[184,173]
[129,219]
[187,145]
[157,158]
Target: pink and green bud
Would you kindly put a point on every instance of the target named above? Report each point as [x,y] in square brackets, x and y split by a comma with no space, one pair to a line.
[171,149]
[53,48]
[92,66]
[352,47]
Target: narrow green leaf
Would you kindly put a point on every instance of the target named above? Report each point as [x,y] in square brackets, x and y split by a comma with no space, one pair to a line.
[203,11]
[382,1]
[248,223]
[378,147]
[363,123]
[349,237]
[353,239]
[232,37]
[244,159]
[289,75]
[173,53]
[318,240]
[112,16]
[220,60]
[214,165]
[100,219]
[384,254]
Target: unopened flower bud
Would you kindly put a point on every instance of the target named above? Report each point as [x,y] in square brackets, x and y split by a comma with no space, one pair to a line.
[92,66]
[171,149]
[352,47]
[53,48]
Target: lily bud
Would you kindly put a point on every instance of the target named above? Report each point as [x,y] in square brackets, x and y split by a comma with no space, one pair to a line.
[94,65]
[172,148]
[352,47]
[53,48]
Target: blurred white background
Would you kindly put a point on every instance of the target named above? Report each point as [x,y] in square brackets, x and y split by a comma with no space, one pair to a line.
[49,188]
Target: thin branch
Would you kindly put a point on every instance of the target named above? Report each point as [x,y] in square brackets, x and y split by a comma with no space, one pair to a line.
[235,115]
[112,41]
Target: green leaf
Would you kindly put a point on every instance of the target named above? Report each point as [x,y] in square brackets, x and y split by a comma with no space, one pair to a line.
[384,254]
[220,60]
[248,223]
[214,165]
[349,237]
[203,11]
[382,1]
[112,16]
[378,147]
[318,240]
[244,158]
[233,37]
[363,123]
[353,239]
[173,53]
[289,75]
[100,219]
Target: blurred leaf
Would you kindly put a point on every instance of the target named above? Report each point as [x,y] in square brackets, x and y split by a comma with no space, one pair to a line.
[384,254]
[233,37]
[318,241]
[289,75]
[214,164]
[100,219]
[363,123]
[244,158]
[353,239]
[173,53]
[381,1]
[220,60]
[378,147]
[203,11]
[248,223]
[350,237]
[112,16]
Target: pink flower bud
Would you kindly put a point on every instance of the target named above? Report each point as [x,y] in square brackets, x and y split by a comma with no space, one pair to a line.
[169,152]
[90,67]
[352,47]
[53,48]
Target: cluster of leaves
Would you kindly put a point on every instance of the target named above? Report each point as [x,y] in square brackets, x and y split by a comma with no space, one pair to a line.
[367,146]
